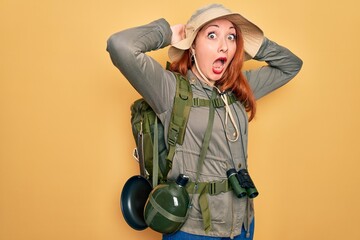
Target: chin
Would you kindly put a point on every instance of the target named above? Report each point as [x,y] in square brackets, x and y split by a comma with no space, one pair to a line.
[215,77]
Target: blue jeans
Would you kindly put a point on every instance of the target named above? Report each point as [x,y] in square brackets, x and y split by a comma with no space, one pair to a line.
[179,235]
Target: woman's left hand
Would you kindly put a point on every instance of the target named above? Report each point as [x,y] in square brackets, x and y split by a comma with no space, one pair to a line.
[178,33]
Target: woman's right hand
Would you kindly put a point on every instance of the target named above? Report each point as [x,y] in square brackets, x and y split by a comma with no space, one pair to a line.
[178,33]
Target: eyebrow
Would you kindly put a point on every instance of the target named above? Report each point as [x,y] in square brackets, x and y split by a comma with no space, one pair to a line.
[214,25]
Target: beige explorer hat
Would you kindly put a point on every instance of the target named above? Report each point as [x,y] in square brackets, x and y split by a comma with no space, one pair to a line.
[253,36]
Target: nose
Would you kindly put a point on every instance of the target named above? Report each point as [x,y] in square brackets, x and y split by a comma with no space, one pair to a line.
[223,46]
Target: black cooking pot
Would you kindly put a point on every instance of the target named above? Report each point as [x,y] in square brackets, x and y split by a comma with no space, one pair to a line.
[133,198]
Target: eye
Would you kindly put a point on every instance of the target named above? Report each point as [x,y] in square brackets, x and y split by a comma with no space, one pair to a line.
[232,37]
[211,35]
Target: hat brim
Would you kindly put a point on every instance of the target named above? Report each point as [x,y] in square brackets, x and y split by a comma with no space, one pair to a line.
[253,37]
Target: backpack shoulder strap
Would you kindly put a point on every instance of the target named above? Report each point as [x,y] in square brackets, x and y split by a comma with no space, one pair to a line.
[179,116]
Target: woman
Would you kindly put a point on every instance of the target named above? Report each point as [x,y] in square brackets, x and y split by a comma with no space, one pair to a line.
[209,51]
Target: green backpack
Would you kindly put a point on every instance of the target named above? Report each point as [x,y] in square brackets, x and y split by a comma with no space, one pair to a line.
[154,158]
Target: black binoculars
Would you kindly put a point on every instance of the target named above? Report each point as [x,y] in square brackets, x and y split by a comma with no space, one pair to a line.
[241,183]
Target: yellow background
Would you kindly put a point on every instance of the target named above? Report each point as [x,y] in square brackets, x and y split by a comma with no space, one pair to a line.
[65,137]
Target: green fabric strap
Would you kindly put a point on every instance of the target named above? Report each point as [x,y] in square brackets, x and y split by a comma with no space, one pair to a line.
[158,209]
[155,173]
[179,115]
[217,102]
[212,188]
[201,189]
[205,210]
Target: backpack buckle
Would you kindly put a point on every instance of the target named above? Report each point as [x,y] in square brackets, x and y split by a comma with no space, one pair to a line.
[173,135]
[217,187]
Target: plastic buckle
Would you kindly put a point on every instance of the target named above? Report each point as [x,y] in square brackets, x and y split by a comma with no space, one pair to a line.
[196,102]
[218,103]
[218,187]
[173,134]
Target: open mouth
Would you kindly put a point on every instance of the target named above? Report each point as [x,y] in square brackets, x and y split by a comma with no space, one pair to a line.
[219,64]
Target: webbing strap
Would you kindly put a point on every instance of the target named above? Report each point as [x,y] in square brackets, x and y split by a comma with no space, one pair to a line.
[158,209]
[155,173]
[179,115]
[204,205]
[212,188]
[217,102]
[140,152]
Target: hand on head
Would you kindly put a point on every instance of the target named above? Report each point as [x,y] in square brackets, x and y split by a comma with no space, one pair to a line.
[178,33]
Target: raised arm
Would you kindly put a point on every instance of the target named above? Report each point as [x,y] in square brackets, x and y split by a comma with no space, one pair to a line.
[282,66]
[127,51]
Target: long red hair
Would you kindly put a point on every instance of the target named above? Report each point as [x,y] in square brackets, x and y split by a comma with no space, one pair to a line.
[233,78]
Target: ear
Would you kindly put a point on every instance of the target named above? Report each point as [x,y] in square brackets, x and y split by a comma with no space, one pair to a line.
[192,49]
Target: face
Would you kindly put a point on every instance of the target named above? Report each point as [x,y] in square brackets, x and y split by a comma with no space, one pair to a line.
[215,47]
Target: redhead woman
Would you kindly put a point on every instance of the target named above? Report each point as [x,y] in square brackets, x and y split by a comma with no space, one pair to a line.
[209,51]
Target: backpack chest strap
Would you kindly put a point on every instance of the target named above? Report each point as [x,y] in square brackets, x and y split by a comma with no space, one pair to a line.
[217,102]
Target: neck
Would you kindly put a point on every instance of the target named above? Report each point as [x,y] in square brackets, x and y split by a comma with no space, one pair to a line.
[196,70]
[202,79]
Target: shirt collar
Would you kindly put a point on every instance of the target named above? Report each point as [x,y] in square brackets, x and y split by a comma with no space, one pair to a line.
[195,81]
